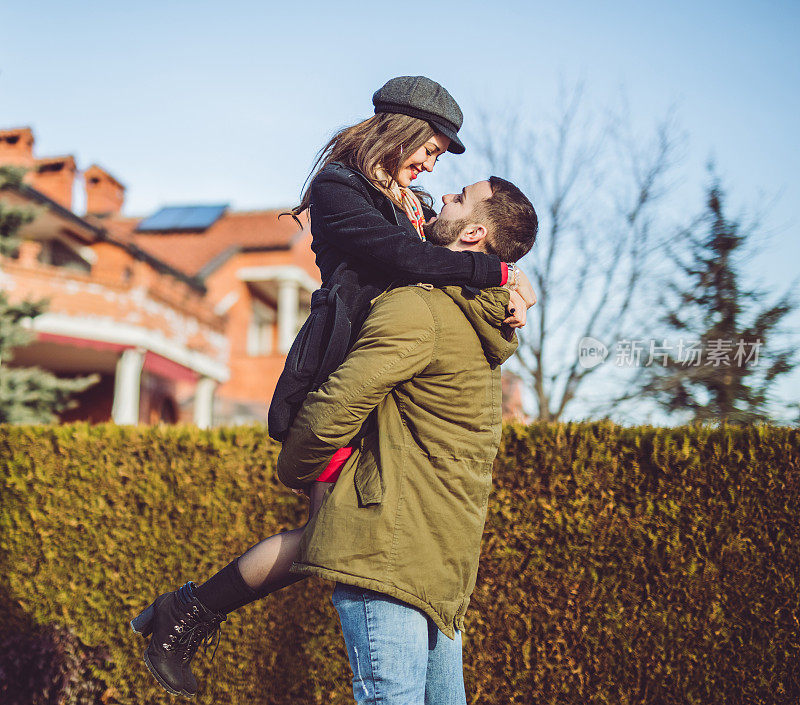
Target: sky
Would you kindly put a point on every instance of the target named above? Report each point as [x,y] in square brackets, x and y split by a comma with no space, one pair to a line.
[200,102]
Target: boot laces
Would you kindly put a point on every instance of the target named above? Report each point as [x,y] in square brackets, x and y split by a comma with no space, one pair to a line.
[204,633]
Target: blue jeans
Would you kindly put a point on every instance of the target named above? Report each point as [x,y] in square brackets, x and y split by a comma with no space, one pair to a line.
[397,654]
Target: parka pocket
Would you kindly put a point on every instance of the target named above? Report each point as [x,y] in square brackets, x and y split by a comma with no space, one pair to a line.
[368,480]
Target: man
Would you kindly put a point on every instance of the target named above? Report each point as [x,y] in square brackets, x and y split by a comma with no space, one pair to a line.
[400,530]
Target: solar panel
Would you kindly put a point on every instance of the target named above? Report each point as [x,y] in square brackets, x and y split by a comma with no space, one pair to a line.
[183,218]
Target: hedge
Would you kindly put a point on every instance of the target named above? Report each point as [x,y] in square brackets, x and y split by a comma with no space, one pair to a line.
[620,565]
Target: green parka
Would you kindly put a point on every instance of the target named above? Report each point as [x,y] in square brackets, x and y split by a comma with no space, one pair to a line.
[406,516]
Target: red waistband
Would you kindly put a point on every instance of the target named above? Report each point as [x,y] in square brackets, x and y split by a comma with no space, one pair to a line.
[334,467]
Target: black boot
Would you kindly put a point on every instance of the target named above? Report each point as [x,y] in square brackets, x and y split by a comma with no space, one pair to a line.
[179,623]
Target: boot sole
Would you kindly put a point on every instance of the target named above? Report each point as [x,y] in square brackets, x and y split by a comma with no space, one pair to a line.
[162,682]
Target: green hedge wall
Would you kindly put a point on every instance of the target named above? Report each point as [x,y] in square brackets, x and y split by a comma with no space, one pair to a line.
[620,565]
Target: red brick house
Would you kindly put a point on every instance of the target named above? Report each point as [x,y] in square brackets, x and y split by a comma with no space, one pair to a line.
[186,315]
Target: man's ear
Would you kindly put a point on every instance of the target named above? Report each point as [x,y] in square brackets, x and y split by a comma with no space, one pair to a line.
[472,234]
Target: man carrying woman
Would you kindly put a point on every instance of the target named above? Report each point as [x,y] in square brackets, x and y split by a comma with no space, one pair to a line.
[369,235]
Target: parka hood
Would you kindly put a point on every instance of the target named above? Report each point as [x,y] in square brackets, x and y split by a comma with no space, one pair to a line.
[485,309]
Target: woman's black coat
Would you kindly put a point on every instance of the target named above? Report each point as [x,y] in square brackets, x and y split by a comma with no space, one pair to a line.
[364,244]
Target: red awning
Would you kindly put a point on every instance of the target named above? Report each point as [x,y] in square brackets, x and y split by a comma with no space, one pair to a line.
[164,367]
[153,363]
[81,342]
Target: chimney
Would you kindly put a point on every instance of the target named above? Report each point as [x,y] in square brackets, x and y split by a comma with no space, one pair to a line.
[104,194]
[16,147]
[54,177]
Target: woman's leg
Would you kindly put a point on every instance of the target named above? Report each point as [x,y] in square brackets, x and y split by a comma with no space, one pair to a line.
[177,622]
[259,571]
[265,566]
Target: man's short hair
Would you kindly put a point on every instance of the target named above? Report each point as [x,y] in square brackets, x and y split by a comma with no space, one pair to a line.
[510,219]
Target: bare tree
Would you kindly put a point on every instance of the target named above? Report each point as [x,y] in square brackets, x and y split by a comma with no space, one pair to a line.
[597,188]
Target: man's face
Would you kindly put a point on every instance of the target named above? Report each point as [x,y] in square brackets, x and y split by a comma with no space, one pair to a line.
[457,214]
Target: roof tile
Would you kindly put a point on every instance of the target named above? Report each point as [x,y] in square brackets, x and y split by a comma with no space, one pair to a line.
[190,251]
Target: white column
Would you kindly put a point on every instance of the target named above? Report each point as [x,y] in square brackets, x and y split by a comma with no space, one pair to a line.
[288,305]
[126,387]
[204,402]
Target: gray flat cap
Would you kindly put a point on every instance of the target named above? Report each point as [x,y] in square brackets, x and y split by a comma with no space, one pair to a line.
[422,98]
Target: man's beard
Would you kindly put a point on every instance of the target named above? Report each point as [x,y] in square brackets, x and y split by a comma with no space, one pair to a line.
[445,232]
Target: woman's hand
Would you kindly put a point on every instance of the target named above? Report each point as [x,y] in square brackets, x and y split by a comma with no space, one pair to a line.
[521,299]
[517,309]
[525,289]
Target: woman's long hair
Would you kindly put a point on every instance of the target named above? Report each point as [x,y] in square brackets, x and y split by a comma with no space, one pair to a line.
[378,142]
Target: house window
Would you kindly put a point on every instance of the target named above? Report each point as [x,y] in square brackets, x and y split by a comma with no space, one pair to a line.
[57,254]
[52,166]
[259,332]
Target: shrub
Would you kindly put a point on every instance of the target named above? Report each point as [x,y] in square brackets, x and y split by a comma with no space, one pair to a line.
[620,565]
[50,666]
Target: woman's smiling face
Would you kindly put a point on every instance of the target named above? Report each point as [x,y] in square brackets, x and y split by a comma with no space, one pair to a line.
[422,160]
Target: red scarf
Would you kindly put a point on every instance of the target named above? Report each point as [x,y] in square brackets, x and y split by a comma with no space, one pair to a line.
[413,209]
[406,197]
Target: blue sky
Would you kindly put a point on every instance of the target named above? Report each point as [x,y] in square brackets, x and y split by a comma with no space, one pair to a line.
[211,102]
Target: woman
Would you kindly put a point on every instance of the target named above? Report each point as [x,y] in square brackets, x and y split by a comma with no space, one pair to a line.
[367,224]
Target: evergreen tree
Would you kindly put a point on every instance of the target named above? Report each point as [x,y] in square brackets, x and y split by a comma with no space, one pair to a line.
[727,359]
[27,394]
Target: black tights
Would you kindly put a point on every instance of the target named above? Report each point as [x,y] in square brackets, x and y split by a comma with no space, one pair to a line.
[259,571]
